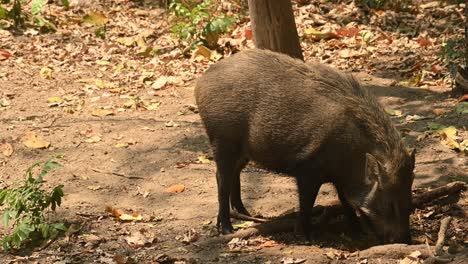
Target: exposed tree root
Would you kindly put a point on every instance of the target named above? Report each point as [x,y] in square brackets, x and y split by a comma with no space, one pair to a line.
[395,251]
[444,224]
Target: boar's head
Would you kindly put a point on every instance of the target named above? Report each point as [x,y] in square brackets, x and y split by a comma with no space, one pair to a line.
[385,202]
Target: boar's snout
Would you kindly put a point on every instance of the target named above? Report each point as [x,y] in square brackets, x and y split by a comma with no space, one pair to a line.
[395,237]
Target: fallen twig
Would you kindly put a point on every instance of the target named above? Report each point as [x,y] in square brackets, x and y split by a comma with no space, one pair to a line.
[239,216]
[115,173]
[420,199]
[441,236]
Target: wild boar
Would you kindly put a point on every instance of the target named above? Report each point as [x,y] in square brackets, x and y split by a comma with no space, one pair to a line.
[312,122]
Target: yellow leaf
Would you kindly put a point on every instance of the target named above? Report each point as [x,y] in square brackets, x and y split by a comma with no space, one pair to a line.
[464,145]
[393,112]
[101,112]
[243,224]
[318,35]
[46,73]
[127,41]
[177,188]
[102,62]
[95,18]
[121,145]
[153,106]
[101,84]
[93,139]
[204,52]
[130,104]
[54,99]
[31,140]
[449,136]
[127,217]
[203,159]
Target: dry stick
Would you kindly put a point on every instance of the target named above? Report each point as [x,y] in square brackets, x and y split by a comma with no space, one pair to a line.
[441,236]
[422,198]
[116,174]
[240,216]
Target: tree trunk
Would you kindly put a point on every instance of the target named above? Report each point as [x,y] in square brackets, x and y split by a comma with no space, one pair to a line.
[466,34]
[274,28]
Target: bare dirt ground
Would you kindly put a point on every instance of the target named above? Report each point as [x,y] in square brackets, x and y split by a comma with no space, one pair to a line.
[141,152]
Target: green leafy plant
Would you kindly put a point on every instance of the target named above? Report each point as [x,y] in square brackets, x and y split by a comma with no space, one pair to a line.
[16,14]
[451,49]
[198,25]
[25,207]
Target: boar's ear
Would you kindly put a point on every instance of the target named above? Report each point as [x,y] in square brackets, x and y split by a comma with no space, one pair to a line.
[375,172]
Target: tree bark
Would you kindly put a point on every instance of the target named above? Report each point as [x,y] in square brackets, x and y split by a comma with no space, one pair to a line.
[274,28]
[466,34]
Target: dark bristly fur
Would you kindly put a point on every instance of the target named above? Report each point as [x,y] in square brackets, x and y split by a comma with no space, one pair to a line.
[314,123]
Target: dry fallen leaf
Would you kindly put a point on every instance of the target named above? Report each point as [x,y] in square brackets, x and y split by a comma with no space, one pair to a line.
[159,83]
[133,217]
[6,149]
[315,34]
[95,18]
[449,137]
[140,238]
[4,54]
[31,140]
[46,73]
[413,258]
[438,111]
[177,188]
[203,52]
[94,187]
[393,112]
[423,42]
[171,123]
[269,243]
[93,139]
[54,99]
[121,145]
[101,112]
[203,159]
[114,211]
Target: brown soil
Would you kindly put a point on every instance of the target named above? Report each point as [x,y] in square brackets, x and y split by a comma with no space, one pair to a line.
[97,175]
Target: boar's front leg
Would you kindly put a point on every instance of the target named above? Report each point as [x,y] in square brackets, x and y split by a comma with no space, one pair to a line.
[308,184]
[350,214]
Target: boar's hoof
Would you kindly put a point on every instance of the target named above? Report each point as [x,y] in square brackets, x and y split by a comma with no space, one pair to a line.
[223,227]
[226,230]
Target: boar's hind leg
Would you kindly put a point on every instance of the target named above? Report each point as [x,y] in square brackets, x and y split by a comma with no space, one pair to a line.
[308,185]
[236,201]
[226,155]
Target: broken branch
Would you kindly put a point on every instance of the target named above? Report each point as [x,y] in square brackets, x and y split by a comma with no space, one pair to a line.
[441,236]
[420,199]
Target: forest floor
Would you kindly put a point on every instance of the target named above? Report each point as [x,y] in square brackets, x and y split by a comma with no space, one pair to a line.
[132,140]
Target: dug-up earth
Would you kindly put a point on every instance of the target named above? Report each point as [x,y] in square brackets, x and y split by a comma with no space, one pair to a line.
[133,142]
